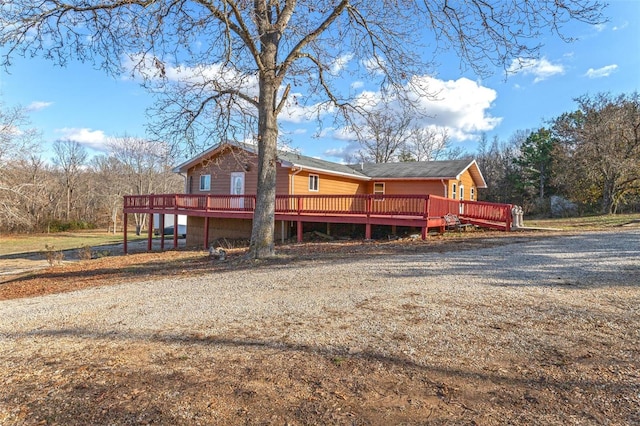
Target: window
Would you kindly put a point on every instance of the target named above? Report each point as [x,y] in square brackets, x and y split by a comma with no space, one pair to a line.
[454,193]
[461,192]
[313,182]
[378,189]
[472,195]
[205,183]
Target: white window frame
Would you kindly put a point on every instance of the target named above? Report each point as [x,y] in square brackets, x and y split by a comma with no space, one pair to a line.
[377,192]
[461,192]
[454,193]
[205,182]
[314,183]
[472,194]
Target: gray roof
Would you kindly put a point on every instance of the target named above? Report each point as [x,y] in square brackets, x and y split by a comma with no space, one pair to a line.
[410,170]
[414,169]
[315,163]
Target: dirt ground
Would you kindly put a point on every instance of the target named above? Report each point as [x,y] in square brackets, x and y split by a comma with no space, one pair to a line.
[587,372]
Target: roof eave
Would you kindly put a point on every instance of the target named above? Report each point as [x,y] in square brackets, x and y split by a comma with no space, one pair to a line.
[325,171]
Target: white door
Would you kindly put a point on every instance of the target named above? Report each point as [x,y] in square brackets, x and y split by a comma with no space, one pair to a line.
[237,188]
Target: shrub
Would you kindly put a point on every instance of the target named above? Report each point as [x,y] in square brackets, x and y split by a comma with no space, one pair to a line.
[85,252]
[53,255]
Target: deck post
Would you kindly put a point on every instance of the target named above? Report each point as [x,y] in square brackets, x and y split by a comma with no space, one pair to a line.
[299,231]
[367,231]
[124,231]
[161,224]
[423,234]
[150,229]
[206,233]
[175,231]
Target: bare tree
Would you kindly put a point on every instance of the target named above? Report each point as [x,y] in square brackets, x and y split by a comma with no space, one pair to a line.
[20,170]
[70,159]
[111,174]
[145,167]
[252,58]
[429,144]
[382,136]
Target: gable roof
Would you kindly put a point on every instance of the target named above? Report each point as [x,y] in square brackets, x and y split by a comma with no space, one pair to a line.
[432,170]
[436,170]
[287,158]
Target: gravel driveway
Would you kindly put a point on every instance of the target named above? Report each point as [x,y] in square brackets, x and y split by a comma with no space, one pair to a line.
[556,319]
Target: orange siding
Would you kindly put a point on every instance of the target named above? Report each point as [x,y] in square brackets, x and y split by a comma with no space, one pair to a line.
[409,187]
[466,180]
[327,184]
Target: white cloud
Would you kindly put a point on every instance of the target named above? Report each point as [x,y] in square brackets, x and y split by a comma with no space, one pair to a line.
[357,85]
[622,26]
[605,71]
[373,65]
[340,63]
[95,139]
[38,105]
[294,112]
[600,27]
[459,107]
[201,76]
[541,69]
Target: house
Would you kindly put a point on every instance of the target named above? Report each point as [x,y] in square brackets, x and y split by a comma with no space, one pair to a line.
[330,191]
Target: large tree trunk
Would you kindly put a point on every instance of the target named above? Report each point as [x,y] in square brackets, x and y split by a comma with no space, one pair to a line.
[262,244]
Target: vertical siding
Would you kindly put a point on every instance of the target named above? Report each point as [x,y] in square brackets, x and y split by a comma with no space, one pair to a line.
[282,180]
[229,161]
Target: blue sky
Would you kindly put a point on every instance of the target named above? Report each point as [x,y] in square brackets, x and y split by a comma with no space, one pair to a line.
[83,104]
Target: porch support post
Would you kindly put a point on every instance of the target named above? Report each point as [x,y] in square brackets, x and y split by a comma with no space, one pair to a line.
[150,229]
[424,232]
[206,233]
[175,231]
[162,231]
[299,231]
[367,226]
[124,230]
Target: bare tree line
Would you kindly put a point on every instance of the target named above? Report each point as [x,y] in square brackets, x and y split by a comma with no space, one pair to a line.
[72,190]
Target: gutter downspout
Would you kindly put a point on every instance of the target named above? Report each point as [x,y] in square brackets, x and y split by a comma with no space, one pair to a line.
[293,180]
[445,188]
[291,191]
[186,183]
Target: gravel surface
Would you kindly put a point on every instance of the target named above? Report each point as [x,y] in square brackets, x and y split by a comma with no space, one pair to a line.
[531,320]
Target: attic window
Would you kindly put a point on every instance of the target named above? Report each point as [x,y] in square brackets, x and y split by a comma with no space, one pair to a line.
[314,182]
[205,183]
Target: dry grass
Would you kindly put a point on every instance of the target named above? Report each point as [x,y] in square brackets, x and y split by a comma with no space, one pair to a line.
[402,340]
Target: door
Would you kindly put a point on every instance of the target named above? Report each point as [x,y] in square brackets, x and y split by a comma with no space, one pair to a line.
[237,188]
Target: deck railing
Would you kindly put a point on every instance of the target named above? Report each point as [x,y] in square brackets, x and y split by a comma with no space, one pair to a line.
[361,204]
[425,206]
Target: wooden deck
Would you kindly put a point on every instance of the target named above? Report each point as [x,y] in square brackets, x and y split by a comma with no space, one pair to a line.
[420,211]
